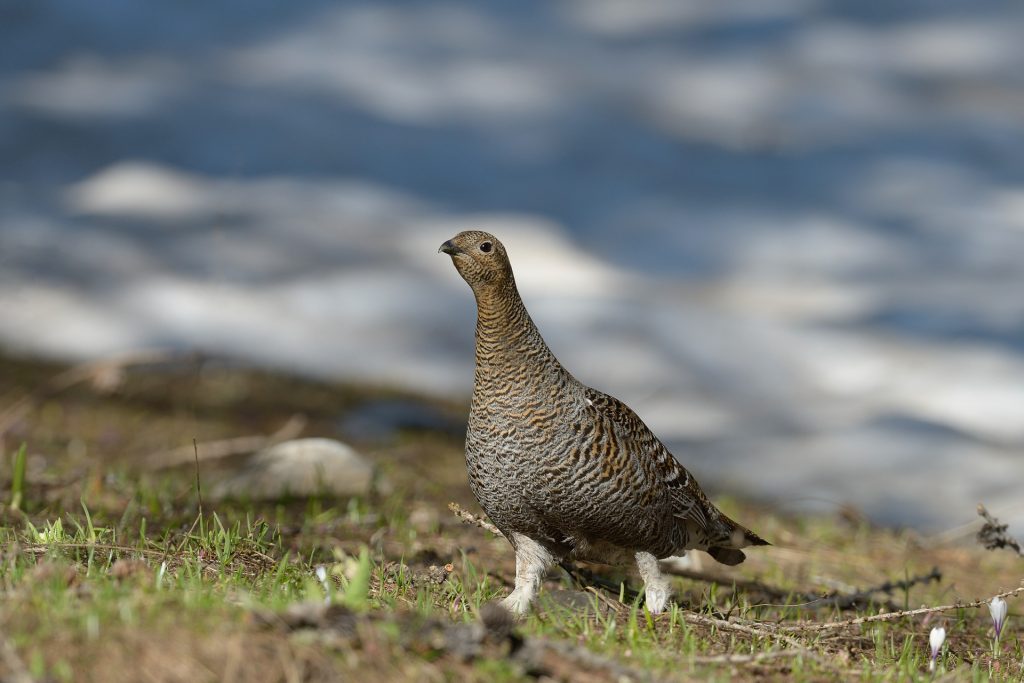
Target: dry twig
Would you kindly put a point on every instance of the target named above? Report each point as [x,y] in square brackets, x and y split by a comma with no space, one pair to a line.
[43,548]
[468,516]
[841,601]
[605,600]
[749,659]
[862,598]
[223,448]
[993,534]
[889,616]
[750,628]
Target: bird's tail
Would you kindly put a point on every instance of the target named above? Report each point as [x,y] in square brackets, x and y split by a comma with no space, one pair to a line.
[733,536]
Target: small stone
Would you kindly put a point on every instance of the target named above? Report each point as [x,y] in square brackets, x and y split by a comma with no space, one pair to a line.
[301,467]
[431,576]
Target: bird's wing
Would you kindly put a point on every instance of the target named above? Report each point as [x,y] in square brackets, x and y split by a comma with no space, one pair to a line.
[689,503]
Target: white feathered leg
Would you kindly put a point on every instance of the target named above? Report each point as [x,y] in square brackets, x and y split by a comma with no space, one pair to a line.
[532,562]
[656,588]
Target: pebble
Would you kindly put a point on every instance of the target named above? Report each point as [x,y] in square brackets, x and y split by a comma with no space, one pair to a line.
[300,467]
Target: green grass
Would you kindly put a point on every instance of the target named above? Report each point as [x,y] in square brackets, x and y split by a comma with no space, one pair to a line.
[18,478]
[78,585]
[109,573]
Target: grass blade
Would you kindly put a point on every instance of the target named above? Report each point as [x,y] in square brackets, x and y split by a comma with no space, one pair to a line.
[18,481]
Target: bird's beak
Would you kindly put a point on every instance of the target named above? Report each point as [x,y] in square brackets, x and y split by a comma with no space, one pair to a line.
[449,248]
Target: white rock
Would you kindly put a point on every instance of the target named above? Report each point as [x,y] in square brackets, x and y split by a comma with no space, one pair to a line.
[301,467]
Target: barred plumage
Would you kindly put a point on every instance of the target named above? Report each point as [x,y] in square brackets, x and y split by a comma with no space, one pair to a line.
[563,470]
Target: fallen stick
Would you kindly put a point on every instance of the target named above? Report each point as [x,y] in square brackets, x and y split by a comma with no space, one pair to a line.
[43,548]
[863,597]
[468,516]
[748,659]
[749,629]
[608,602]
[806,600]
[223,448]
[889,616]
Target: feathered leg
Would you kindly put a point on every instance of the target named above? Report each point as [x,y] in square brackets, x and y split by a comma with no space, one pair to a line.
[656,588]
[532,562]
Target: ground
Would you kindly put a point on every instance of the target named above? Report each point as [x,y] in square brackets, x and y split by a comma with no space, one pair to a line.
[115,570]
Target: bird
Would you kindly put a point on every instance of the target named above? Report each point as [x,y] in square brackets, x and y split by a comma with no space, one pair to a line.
[564,471]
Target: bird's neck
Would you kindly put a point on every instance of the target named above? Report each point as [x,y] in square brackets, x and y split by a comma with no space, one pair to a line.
[506,337]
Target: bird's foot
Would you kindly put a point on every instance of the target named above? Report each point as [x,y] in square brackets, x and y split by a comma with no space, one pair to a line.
[518,602]
[656,589]
[532,561]
[656,597]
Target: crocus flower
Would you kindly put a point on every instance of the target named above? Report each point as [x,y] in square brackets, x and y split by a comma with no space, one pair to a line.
[936,638]
[321,573]
[997,608]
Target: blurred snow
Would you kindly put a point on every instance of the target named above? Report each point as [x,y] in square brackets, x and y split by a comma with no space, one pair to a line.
[789,233]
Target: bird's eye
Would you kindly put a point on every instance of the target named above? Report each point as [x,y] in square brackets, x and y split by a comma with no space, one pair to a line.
[485,247]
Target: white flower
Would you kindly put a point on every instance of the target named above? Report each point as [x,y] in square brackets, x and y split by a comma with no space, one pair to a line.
[321,573]
[997,608]
[936,638]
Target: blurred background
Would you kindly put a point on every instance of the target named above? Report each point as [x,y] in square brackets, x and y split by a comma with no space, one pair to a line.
[788,232]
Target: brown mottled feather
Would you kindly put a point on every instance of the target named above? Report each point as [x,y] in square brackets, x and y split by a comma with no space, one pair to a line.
[549,458]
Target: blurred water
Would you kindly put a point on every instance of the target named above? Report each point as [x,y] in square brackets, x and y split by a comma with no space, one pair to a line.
[789,233]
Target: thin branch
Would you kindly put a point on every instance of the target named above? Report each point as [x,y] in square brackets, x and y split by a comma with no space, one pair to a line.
[863,598]
[223,448]
[993,534]
[608,602]
[810,600]
[889,616]
[751,629]
[749,659]
[41,548]
[468,516]
[739,582]
[800,600]
[168,552]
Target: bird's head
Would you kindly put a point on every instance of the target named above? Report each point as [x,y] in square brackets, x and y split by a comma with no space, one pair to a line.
[480,259]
